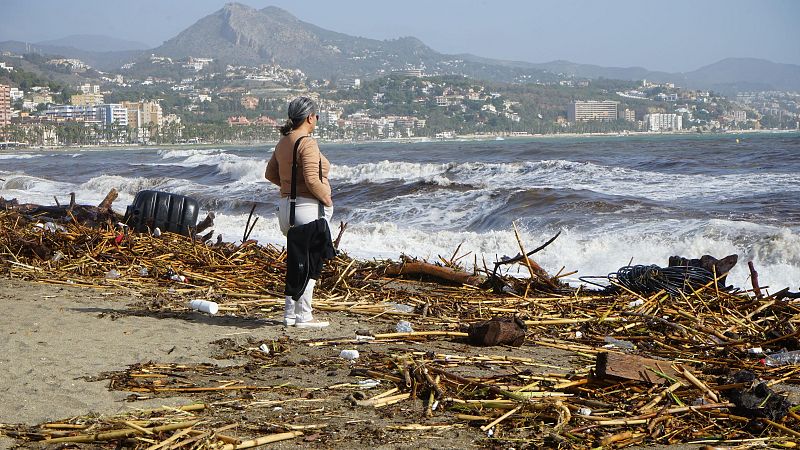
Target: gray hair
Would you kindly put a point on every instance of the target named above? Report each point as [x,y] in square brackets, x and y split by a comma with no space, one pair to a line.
[299,109]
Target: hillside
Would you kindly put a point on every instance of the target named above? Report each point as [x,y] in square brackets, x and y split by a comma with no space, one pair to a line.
[241,35]
[94,43]
[106,61]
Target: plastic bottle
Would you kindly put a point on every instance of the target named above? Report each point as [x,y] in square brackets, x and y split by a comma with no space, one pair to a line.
[783,359]
[204,306]
[404,326]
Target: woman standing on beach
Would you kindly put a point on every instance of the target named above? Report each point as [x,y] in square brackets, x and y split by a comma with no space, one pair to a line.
[312,189]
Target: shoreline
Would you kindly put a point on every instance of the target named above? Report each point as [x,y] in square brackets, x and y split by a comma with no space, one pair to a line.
[412,140]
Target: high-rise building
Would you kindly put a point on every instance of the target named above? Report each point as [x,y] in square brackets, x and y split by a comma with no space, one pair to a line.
[629,115]
[5,105]
[142,114]
[583,111]
[664,122]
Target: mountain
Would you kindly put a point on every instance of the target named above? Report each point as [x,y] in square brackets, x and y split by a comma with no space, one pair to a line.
[106,61]
[95,43]
[239,34]
[746,74]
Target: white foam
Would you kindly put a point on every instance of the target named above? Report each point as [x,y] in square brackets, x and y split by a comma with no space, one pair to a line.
[384,171]
[561,174]
[774,250]
[185,153]
[19,156]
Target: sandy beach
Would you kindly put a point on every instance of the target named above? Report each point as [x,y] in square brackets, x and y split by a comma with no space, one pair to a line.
[56,339]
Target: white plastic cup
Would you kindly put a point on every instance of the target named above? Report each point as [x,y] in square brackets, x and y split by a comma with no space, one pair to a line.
[204,306]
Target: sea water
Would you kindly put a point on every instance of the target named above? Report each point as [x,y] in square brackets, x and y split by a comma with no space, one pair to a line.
[616,200]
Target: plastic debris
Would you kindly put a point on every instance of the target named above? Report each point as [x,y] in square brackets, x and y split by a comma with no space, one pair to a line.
[204,306]
[399,307]
[349,355]
[368,383]
[404,327]
[264,348]
[112,274]
[783,359]
[614,342]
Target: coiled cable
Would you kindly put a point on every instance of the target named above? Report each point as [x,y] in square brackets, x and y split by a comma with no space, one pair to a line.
[646,280]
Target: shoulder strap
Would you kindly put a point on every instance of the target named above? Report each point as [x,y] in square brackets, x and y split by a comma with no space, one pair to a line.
[293,194]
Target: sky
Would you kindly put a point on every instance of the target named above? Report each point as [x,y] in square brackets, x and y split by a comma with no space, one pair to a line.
[673,36]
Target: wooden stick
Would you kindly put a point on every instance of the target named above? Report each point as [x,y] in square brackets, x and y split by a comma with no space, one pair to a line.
[782,427]
[420,334]
[754,280]
[118,434]
[137,427]
[522,250]
[500,419]
[703,387]
[170,439]
[657,399]
[263,440]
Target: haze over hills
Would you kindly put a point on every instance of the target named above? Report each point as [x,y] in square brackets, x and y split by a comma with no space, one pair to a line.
[95,43]
[240,34]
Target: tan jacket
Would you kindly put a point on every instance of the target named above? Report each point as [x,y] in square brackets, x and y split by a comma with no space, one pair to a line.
[309,159]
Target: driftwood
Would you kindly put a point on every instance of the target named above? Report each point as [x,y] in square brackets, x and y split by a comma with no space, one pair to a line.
[205,224]
[445,273]
[754,280]
[342,227]
[109,199]
[83,214]
[632,367]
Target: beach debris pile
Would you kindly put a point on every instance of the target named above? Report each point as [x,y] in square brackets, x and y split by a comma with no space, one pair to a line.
[709,365]
[165,427]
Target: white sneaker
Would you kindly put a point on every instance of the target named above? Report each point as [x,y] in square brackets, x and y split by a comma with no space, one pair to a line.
[313,323]
[289,321]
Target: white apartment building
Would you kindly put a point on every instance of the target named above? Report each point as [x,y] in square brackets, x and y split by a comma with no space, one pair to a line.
[664,122]
[582,111]
[98,114]
[329,117]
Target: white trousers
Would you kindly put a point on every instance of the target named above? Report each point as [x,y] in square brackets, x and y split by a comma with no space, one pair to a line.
[306,210]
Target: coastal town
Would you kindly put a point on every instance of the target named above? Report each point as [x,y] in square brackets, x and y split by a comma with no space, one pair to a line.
[161,100]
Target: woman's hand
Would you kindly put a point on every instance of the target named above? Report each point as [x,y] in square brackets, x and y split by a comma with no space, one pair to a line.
[327,200]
